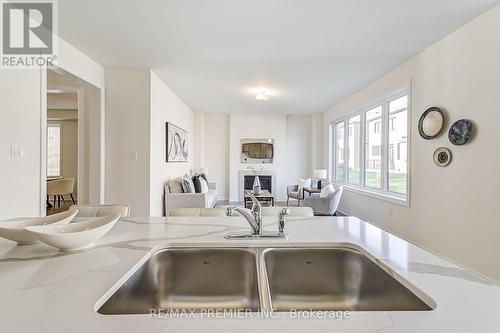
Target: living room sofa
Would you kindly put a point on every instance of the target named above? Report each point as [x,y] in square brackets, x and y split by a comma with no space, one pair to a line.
[174,197]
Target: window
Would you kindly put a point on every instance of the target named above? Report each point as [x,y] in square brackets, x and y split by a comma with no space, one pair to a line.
[398,137]
[373,155]
[373,144]
[353,149]
[339,153]
[53,150]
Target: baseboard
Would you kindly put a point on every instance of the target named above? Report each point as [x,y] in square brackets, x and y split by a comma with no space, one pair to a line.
[345,212]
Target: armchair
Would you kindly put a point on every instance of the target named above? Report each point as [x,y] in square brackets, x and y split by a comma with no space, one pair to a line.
[293,192]
[327,205]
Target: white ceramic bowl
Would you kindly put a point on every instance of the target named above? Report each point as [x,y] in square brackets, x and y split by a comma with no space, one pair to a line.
[14,229]
[74,236]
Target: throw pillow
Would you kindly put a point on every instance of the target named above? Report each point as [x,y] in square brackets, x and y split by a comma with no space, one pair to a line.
[204,185]
[187,184]
[175,186]
[197,184]
[204,177]
[304,183]
[327,190]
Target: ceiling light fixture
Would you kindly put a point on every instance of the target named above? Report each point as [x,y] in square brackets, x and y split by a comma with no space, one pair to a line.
[263,95]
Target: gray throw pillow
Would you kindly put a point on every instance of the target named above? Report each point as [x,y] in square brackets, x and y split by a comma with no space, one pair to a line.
[197,184]
[175,186]
[187,184]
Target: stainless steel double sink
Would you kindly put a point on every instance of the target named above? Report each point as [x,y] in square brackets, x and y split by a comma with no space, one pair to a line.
[257,279]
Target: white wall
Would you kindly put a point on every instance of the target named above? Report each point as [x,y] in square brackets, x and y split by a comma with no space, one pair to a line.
[166,107]
[20,114]
[257,126]
[298,148]
[127,132]
[198,134]
[93,137]
[317,142]
[62,101]
[293,146]
[23,107]
[216,151]
[454,210]
[138,105]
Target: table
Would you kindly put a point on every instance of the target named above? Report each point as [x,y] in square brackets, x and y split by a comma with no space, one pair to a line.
[310,190]
[265,196]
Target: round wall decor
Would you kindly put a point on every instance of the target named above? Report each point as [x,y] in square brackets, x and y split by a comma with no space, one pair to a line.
[461,132]
[431,123]
[442,156]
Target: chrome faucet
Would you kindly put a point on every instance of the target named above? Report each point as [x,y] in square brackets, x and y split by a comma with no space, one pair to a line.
[254,219]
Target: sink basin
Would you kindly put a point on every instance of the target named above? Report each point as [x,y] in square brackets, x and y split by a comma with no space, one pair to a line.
[199,279]
[333,279]
[189,279]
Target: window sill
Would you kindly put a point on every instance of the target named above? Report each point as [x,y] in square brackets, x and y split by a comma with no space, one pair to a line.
[377,195]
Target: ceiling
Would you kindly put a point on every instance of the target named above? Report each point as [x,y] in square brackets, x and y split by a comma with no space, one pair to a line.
[214,54]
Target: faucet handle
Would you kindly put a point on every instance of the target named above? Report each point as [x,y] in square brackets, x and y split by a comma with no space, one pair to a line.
[285,211]
[281,225]
[230,211]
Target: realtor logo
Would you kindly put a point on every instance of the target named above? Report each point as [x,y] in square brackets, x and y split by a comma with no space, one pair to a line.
[27,28]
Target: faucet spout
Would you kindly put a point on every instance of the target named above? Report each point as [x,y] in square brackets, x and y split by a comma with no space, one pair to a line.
[254,219]
[247,216]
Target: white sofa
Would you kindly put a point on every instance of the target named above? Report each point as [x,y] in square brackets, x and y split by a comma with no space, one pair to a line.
[220,212]
[177,199]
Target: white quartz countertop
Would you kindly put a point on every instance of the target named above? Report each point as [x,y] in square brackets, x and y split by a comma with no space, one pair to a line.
[43,290]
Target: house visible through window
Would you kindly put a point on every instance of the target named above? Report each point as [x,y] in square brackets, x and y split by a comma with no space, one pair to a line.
[377,135]
[53,149]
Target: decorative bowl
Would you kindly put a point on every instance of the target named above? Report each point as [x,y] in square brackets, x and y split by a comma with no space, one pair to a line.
[14,229]
[74,236]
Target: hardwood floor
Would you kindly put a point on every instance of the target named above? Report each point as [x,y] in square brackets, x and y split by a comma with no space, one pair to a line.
[64,207]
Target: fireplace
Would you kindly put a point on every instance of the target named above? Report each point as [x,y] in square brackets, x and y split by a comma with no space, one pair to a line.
[266,182]
[246,178]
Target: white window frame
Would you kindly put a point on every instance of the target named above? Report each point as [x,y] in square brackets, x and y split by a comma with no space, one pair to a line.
[383,193]
[53,123]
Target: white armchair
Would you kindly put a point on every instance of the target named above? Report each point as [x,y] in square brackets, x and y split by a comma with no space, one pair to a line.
[327,205]
[58,188]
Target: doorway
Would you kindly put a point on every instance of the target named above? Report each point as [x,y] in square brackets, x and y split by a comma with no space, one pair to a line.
[72,148]
[62,150]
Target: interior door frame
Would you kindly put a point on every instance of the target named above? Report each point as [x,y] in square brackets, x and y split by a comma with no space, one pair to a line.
[100,157]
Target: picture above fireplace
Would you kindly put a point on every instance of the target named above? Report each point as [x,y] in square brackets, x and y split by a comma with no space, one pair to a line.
[256,151]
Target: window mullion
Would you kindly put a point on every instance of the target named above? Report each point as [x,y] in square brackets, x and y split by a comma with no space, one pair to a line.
[333,172]
[362,150]
[385,146]
[346,147]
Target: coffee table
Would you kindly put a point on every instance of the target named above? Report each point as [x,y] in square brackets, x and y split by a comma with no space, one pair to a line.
[265,197]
